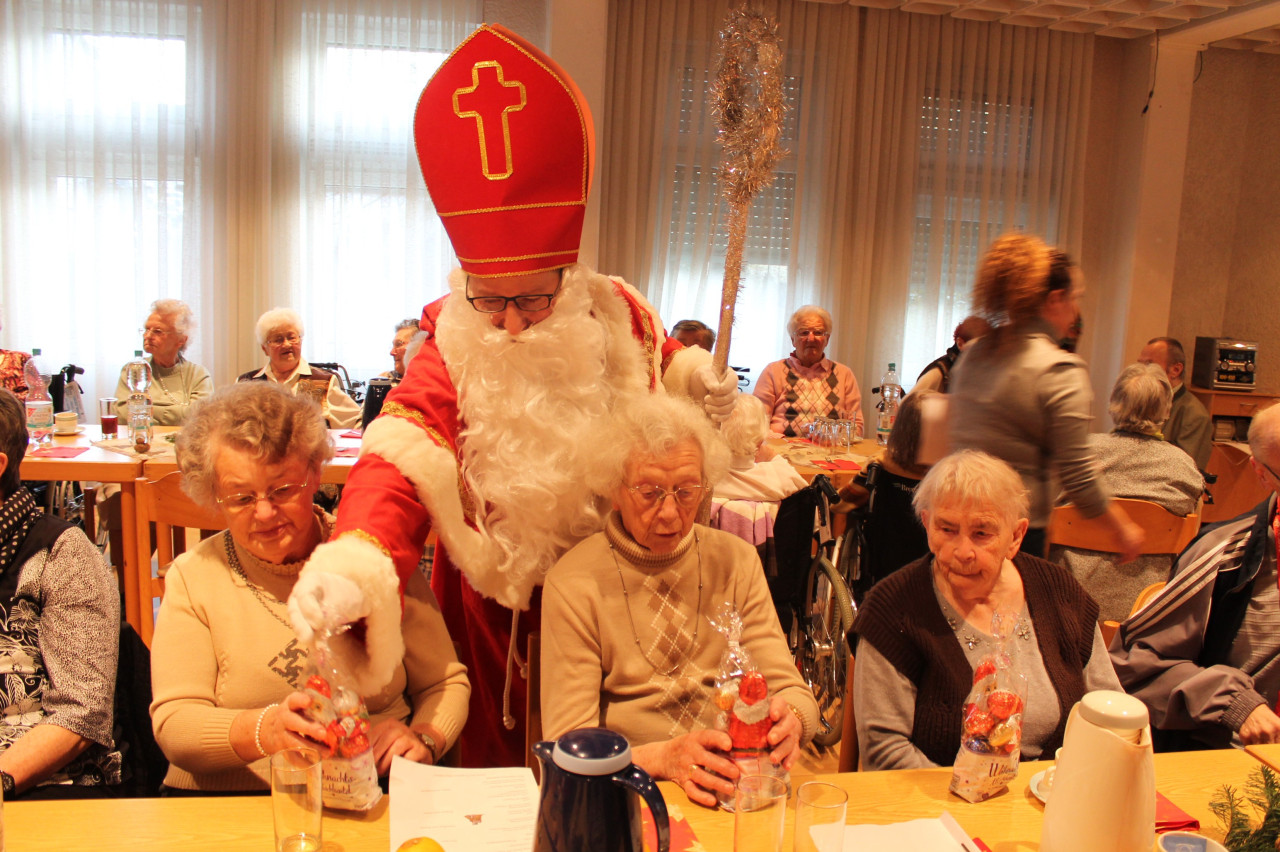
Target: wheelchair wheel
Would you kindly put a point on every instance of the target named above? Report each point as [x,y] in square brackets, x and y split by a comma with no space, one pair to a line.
[824,653]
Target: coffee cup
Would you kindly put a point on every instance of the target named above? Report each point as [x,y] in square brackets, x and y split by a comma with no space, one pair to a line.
[64,423]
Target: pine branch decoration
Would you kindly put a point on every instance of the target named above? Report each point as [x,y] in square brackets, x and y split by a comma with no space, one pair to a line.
[748,106]
[1262,794]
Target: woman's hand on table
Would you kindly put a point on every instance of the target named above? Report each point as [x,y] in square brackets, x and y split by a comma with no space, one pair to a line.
[784,736]
[392,738]
[286,725]
[690,761]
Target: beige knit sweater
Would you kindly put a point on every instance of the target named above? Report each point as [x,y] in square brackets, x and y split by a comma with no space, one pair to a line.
[219,649]
[595,673]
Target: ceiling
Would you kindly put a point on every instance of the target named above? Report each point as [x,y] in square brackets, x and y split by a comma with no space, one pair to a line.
[1240,24]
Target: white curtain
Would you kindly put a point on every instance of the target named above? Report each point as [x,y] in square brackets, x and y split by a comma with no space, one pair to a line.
[237,154]
[914,141]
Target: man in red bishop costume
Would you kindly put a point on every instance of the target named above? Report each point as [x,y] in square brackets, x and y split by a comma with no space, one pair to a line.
[487,439]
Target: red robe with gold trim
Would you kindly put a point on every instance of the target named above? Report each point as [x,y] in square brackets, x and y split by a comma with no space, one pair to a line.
[395,503]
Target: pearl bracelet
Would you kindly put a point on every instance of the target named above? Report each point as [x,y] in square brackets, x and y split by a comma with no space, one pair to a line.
[257,729]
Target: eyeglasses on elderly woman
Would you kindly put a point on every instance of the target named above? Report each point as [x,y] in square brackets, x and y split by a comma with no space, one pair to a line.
[281,495]
[281,339]
[652,495]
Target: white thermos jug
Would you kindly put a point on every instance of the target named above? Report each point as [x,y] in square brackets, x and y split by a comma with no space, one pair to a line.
[1104,785]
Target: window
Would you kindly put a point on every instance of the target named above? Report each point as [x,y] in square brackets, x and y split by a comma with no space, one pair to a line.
[970,150]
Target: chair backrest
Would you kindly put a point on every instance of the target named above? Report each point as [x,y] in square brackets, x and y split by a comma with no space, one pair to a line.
[533,708]
[162,502]
[1110,628]
[1165,531]
[849,757]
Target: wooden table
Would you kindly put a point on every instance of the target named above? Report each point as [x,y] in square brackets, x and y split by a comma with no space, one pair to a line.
[97,465]
[802,454]
[1007,823]
[334,472]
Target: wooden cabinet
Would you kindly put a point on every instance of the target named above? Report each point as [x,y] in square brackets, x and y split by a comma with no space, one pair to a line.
[1237,488]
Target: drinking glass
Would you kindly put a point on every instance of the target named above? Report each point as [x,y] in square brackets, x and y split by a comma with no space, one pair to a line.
[820,817]
[39,420]
[296,800]
[140,431]
[759,810]
[107,414]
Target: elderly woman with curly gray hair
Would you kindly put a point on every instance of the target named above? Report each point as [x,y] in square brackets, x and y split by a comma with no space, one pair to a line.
[226,665]
[625,632]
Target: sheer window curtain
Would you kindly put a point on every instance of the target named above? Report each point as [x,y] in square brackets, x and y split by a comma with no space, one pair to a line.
[916,140]
[237,154]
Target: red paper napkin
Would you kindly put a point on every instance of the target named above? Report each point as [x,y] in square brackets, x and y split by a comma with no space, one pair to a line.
[59,452]
[682,837]
[1170,817]
[352,433]
[837,464]
[347,452]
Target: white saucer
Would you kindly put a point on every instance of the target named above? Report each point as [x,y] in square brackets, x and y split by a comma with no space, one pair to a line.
[79,431]
[1037,788]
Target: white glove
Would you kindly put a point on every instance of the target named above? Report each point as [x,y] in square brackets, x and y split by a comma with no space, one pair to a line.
[717,394]
[322,601]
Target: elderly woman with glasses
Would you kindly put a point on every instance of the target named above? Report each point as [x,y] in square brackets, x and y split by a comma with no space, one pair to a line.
[626,638]
[227,668]
[176,383]
[1135,461]
[807,385]
[279,333]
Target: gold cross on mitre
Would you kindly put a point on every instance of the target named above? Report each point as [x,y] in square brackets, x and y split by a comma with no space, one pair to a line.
[490,108]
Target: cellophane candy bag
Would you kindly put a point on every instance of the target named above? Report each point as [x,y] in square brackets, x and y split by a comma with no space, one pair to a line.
[991,726]
[742,695]
[350,775]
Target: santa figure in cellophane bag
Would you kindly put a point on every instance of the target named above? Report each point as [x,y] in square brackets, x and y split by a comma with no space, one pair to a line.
[350,779]
[991,730]
[742,694]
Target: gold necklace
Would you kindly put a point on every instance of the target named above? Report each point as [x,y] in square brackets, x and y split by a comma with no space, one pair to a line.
[258,593]
[697,621]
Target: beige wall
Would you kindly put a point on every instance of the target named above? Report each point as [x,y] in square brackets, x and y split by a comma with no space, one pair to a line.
[1227,276]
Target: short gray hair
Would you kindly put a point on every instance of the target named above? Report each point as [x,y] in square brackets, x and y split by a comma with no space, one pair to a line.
[746,427]
[407,323]
[654,424]
[13,441]
[1140,399]
[259,418]
[277,318]
[974,479]
[178,313]
[808,311]
[1264,431]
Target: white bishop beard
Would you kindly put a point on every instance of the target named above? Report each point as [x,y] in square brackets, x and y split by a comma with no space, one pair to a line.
[530,406]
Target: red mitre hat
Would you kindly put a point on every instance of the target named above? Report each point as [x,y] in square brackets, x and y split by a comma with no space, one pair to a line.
[506,146]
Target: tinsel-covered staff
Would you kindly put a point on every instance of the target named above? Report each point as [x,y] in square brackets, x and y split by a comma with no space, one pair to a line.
[746,100]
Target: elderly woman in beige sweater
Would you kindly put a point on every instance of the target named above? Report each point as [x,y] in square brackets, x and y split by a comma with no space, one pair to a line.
[227,669]
[626,639]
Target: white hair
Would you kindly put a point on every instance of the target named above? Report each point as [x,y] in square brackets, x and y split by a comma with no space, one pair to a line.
[178,313]
[278,318]
[654,425]
[806,311]
[745,429]
[1140,399]
[1264,431]
[971,478]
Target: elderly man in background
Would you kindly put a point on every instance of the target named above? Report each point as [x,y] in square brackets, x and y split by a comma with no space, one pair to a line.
[937,376]
[1189,427]
[60,628]
[405,330]
[488,440]
[692,332]
[808,386]
[279,333]
[176,383]
[1204,655]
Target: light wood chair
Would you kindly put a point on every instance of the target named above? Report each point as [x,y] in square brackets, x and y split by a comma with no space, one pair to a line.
[162,502]
[849,757]
[1110,628]
[1166,532]
[533,705]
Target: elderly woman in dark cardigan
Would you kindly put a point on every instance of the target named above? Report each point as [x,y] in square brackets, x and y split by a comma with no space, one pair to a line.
[924,628]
